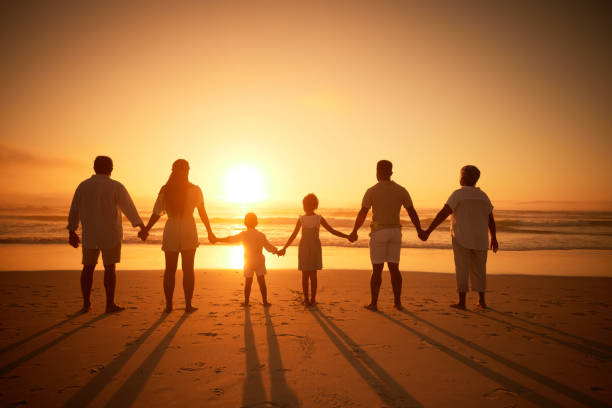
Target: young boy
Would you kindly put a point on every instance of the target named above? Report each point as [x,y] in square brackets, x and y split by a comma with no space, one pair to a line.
[472,213]
[254,261]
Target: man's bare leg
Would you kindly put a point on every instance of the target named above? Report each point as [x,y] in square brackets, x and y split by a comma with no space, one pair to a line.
[261,280]
[461,303]
[248,282]
[169,277]
[86,284]
[396,283]
[187,259]
[313,288]
[375,282]
[305,275]
[481,300]
[110,281]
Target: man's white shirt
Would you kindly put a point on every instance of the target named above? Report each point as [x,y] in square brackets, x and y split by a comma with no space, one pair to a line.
[98,203]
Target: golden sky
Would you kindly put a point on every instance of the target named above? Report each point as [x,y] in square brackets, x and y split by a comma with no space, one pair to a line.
[310,94]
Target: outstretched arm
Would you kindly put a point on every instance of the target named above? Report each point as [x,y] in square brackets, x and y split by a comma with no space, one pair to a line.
[493,231]
[230,239]
[204,218]
[440,217]
[361,216]
[414,217]
[298,225]
[331,230]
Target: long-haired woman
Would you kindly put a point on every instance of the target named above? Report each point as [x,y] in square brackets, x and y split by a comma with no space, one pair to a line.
[178,198]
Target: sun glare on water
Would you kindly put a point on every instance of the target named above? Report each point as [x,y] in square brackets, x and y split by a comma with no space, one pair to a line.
[244,184]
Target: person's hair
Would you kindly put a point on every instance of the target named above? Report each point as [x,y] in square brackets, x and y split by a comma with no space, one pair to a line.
[384,167]
[103,165]
[250,220]
[470,175]
[175,189]
[310,201]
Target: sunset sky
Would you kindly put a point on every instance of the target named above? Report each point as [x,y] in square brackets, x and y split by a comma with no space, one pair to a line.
[309,95]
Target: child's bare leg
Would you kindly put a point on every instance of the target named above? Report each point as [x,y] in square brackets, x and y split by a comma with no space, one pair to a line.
[461,303]
[261,280]
[305,286]
[187,259]
[313,287]
[86,283]
[248,282]
[481,300]
[375,282]
[169,273]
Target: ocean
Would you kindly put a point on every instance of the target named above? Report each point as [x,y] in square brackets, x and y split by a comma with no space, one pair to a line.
[517,230]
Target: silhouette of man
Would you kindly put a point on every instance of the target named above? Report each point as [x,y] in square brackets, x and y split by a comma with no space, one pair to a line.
[386,198]
[98,203]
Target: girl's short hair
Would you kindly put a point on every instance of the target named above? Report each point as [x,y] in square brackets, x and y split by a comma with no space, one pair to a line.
[311,201]
[250,220]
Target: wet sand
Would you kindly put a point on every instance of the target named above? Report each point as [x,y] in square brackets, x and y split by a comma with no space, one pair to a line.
[545,341]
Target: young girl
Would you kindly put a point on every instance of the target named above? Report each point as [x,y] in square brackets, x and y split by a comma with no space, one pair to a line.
[309,251]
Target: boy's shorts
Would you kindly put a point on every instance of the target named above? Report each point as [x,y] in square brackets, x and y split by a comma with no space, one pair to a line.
[257,270]
[110,256]
[385,245]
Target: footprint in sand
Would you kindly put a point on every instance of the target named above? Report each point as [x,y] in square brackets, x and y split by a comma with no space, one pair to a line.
[210,334]
[218,391]
[497,392]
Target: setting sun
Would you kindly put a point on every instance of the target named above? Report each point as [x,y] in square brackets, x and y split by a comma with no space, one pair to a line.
[244,184]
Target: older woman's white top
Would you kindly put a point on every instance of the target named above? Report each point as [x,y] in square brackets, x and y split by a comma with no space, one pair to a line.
[180,232]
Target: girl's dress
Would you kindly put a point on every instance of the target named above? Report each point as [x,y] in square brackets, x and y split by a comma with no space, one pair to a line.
[180,232]
[309,250]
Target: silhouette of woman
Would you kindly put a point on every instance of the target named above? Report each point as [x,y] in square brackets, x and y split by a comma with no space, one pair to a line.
[178,198]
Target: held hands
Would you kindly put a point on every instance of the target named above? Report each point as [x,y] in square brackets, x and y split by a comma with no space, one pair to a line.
[73,239]
[212,238]
[143,234]
[352,237]
[423,234]
[281,252]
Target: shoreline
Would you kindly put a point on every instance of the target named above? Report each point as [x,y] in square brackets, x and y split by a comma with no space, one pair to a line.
[578,262]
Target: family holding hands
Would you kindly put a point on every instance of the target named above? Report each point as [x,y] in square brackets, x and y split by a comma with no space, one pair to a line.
[99,201]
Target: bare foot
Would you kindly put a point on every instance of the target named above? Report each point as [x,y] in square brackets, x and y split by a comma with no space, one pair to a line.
[481,305]
[458,306]
[306,303]
[267,304]
[398,306]
[372,307]
[85,309]
[168,309]
[245,304]
[114,309]
[190,309]
[312,303]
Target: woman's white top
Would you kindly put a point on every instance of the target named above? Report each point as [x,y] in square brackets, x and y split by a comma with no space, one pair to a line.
[180,232]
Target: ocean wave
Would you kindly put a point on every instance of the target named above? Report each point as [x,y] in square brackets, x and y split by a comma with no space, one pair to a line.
[513,246]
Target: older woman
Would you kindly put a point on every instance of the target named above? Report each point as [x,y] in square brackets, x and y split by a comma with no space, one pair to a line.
[178,198]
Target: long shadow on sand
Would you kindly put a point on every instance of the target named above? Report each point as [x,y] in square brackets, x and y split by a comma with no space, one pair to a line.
[89,391]
[253,392]
[587,350]
[39,333]
[388,389]
[131,388]
[280,392]
[12,365]
[526,393]
[589,342]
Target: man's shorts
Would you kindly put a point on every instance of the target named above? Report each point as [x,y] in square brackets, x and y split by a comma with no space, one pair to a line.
[110,256]
[385,245]
[255,270]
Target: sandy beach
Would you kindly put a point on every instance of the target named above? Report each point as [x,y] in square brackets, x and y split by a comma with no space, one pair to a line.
[545,341]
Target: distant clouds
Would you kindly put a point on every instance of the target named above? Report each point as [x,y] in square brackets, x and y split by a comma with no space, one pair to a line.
[15,157]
